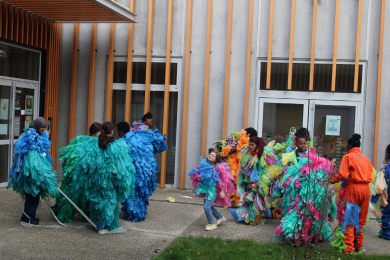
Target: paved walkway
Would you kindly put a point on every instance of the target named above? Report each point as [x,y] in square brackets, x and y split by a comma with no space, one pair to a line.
[165,222]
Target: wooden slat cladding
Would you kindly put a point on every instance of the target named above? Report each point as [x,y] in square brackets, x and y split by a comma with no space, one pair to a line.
[53,59]
[21,27]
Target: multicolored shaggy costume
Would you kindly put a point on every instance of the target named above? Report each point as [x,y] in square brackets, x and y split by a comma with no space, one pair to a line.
[307,200]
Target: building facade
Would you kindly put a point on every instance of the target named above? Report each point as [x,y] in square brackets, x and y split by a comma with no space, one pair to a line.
[206,68]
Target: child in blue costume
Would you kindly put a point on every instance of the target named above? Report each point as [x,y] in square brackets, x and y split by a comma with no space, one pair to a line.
[143,144]
[105,175]
[213,182]
[32,174]
[384,180]
[63,209]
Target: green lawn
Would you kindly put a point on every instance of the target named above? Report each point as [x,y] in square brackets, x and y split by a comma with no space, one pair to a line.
[217,248]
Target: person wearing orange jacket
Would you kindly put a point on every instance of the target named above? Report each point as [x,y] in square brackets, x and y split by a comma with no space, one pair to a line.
[355,170]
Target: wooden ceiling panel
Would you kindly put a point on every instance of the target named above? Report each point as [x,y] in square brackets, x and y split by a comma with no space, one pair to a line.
[75,11]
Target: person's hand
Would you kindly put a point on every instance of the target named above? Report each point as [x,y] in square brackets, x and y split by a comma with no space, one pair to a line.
[222,194]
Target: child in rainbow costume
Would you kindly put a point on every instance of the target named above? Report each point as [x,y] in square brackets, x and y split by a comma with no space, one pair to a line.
[63,209]
[307,200]
[212,181]
[32,174]
[256,173]
[143,144]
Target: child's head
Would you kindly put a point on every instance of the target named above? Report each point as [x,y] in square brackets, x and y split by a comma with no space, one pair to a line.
[330,157]
[301,144]
[354,141]
[214,157]
[387,154]
[256,144]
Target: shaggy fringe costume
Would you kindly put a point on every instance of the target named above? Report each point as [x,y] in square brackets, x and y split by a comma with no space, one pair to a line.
[105,177]
[307,201]
[32,172]
[63,209]
[143,146]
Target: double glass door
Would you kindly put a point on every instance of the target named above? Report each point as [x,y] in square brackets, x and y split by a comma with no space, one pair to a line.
[18,108]
[330,123]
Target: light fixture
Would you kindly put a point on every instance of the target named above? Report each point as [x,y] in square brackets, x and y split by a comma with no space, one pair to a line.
[3,54]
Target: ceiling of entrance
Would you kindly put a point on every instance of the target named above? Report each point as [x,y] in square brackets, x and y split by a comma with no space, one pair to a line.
[76,11]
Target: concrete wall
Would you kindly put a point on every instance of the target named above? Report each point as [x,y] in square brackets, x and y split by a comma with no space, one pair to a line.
[259,49]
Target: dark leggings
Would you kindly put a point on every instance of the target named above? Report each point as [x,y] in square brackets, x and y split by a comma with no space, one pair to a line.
[30,207]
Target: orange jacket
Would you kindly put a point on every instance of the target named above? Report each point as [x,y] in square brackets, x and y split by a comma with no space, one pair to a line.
[355,168]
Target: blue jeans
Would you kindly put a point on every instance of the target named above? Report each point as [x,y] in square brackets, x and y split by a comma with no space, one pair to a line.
[211,211]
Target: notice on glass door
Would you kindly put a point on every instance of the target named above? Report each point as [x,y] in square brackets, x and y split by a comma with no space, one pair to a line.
[29,105]
[333,125]
[4,105]
[18,99]
[17,126]
[27,121]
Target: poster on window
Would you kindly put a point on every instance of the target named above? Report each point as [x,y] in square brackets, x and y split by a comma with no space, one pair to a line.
[27,121]
[17,126]
[18,99]
[4,106]
[29,105]
[333,125]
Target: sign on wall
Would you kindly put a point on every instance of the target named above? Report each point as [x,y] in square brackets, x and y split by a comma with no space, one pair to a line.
[333,125]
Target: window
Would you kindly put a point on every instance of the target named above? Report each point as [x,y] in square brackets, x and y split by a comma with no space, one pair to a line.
[345,76]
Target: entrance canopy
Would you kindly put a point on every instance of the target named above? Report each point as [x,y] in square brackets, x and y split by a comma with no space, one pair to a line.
[76,11]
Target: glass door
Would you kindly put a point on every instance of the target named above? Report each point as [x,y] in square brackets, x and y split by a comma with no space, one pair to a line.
[279,116]
[5,125]
[331,124]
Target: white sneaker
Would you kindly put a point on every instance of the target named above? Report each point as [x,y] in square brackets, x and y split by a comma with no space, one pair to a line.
[102,232]
[210,227]
[219,221]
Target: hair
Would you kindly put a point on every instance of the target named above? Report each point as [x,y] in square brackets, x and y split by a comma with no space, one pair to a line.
[259,143]
[354,141]
[329,156]
[251,131]
[147,116]
[387,153]
[123,126]
[218,157]
[302,133]
[211,150]
[94,128]
[103,137]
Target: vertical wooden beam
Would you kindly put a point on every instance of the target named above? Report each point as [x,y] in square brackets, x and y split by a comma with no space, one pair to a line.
[5,22]
[149,50]
[73,83]
[31,33]
[92,69]
[313,45]
[1,20]
[379,83]
[359,27]
[26,28]
[45,24]
[185,100]
[248,63]
[166,92]
[291,51]
[207,77]
[271,29]
[16,26]
[36,30]
[335,41]
[129,78]
[227,69]
[11,23]
[22,28]
[110,76]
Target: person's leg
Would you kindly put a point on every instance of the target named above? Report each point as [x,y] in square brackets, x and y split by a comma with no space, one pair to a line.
[364,205]
[386,222]
[349,238]
[207,209]
[30,207]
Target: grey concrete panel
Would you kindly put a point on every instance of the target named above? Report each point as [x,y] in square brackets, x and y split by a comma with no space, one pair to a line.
[371,84]
[281,31]
[303,28]
[64,93]
[81,124]
[125,3]
[121,39]
[141,27]
[346,47]
[196,86]
[160,23]
[102,47]
[325,29]
[238,66]
[217,71]
[177,28]
[263,31]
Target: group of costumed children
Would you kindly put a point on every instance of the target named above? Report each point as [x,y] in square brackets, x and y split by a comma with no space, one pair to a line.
[99,172]
[289,180]
[286,180]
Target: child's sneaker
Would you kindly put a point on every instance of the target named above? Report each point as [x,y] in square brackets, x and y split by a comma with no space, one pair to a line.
[361,249]
[219,221]
[102,232]
[210,227]
[31,223]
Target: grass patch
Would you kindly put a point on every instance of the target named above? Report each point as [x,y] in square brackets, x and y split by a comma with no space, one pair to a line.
[217,248]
